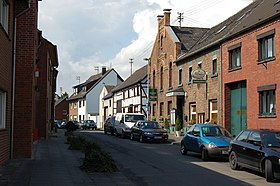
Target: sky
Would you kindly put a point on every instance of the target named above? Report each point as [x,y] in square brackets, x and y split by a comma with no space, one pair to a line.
[91,34]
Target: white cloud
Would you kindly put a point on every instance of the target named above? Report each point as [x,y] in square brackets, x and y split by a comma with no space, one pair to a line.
[93,33]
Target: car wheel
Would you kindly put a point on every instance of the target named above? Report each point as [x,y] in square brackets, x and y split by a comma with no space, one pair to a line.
[141,139]
[268,170]
[112,131]
[131,136]
[123,136]
[233,161]
[105,131]
[204,154]
[183,149]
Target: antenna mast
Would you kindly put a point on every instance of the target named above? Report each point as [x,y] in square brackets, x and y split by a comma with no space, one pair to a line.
[180,18]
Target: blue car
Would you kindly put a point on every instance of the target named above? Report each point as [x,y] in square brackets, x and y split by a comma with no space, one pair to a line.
[208,139]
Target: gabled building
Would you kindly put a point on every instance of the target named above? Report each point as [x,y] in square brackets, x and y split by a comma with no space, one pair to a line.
[200,75]
[61,107]
[46,74]
[131,95]
[106,103]
[166,80]
[84,102]
[6,78]
[250,67]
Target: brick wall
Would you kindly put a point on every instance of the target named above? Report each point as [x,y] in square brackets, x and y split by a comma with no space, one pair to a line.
[26,55]
[255,74]
[6,48]
[64,105]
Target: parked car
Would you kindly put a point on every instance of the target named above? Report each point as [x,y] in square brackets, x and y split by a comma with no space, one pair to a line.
[109,125]
[148,131]
[81,124]
[125,121]
[208,139]
[57,124]
[89,124]
[63,124]
[258,150]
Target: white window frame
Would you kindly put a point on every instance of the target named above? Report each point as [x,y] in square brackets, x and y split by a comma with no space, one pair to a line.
[211,108]
[4,14]
[3,100]
[192,112]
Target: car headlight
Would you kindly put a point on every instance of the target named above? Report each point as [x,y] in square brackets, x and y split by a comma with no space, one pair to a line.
[212,145]
[279,161]
[164,134]
[147,133]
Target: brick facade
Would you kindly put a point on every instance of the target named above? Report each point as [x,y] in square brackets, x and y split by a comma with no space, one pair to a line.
[255,74]
[61,110]
[26,56]
[6,56]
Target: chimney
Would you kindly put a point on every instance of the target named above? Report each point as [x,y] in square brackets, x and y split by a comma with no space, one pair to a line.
[166,17]
[103,70]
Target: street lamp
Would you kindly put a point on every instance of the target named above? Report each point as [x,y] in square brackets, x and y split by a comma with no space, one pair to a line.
[148,87]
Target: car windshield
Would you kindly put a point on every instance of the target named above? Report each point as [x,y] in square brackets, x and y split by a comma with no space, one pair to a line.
[90,121]
[150,125]
[215,131]
[133,118]
[271,139]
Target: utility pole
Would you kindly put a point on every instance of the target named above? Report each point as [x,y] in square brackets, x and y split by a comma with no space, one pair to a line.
[180,18]
[131,62]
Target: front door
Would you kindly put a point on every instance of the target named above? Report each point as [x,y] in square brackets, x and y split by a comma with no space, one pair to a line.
[238,97]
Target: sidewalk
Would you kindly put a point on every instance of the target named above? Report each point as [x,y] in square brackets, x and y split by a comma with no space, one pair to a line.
[54,165]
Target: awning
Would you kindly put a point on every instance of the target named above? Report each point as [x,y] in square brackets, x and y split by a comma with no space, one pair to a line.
[176,92]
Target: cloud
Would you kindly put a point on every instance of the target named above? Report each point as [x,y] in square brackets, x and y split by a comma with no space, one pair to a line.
[92,33]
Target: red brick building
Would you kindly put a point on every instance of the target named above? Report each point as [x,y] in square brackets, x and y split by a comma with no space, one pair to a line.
[61,109]
[170,42]
[46,75]
[6,63]
[251,70]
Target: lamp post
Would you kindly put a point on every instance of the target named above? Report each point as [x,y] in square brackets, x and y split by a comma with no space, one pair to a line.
[148,88]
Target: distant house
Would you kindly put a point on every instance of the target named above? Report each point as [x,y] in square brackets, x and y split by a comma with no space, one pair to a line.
[84,102]
[61,109]
[131,95]
[106,103]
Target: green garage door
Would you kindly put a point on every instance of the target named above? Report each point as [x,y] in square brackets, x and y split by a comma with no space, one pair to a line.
[238,107]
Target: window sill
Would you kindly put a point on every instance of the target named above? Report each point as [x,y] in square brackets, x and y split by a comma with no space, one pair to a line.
[190,82]
[170,88]
[214,75]
[267,116]
[234,69]
[180,85]
[161,90]
[261,61]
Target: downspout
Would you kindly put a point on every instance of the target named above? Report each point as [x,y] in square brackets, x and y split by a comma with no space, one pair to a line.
[14,79]
[221,87]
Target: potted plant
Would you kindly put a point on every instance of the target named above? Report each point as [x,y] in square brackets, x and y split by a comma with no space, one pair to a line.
[178,127]
[166,124]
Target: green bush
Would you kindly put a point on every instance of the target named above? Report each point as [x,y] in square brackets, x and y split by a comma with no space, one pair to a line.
[166,123]
[178,125]
[76,142]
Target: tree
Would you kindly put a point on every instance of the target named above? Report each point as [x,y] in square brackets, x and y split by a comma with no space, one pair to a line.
[178,125]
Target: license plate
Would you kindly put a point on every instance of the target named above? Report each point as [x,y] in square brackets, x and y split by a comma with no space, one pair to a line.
[224,152]
[157,137]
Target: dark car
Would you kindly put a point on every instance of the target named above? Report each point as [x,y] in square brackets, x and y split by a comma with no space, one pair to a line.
[109,125]
[258,150]
[148,131]
[208,139]
[89,124]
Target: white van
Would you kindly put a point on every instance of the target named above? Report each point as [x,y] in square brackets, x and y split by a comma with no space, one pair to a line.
[125,121]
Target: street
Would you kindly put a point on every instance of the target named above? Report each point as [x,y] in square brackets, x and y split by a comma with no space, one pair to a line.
[162,164]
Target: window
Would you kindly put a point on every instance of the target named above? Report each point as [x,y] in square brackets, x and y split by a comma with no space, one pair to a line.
[80,104]
[266,47]
[169,107]
[154,109]
[2,109]
[190,74]
[83,103]
[170,74]
[214,67]
[243,136]
[161,109]
[192,113]
[235,58]
[180,76]
[4,14]
[154,79]
[161,78]
[267,102]
[214,111]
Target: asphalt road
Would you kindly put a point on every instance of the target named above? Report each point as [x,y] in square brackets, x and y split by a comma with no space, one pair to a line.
[162,164]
